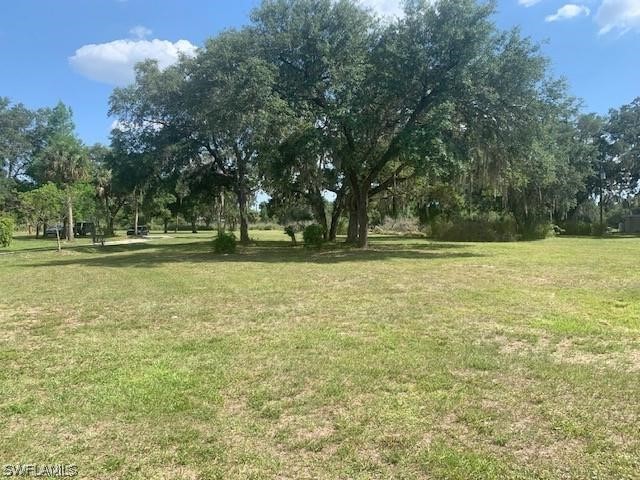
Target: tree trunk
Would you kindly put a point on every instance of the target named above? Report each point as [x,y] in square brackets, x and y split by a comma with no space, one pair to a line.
[221,222]
[333,228]
[58,239]
[394,199]
[70,223]
[352,231]
[363,216]
[194,226]
[336,214]
[242,198]
[137,213]
[37,230]
[244,224]
[107,211]
[166,225]
[112,212]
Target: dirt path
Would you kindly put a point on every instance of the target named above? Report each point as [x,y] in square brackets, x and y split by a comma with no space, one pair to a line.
[129,241]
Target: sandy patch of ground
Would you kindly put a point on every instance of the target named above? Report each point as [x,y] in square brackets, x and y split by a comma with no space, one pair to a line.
[129,241]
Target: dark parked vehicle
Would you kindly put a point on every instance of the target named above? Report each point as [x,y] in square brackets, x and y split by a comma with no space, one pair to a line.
[143,231]
[84,229]
[54,230]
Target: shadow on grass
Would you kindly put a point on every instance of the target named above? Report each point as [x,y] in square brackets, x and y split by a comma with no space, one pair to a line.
[25,244]
[609,236]
[149,255]
[29,238]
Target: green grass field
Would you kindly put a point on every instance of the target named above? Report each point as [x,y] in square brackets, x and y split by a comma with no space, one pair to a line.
[414,359]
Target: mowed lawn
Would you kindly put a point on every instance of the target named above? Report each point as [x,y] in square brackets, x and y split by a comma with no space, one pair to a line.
[414,359]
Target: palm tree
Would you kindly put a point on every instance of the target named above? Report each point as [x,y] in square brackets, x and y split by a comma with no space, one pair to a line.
[66,163]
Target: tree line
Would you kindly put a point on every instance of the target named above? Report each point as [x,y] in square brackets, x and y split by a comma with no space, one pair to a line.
[341,117]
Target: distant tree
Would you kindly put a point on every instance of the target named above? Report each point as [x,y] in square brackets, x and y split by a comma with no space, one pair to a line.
[156,205]
[300,170]
[181,192]
[7,225]
[16,150]
[65,162]
[231,87]
[321,99]
[209,114]
[42,206]
[7,192]
[109,200]
[622,137]
[395,98]
[50,126]
[51,123]
[133,169]
[16,146]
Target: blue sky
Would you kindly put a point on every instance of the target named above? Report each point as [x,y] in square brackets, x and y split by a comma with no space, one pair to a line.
[78,50]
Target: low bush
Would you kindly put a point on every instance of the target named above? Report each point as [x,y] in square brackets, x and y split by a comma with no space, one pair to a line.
[265,226]
[578,228]
[469,231]
[538,231]
[400,225]
[184,227]
[599,229]
[313,236]
[6,231]
[488,228]
[224,243]
[585,229]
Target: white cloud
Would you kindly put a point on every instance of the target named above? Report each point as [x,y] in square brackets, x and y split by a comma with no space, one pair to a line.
[114,62]
[140,31]
[387,8]
[567,12]
[623,15]
[528,3]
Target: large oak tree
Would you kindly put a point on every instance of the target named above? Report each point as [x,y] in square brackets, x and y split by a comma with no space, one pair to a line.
[391,98]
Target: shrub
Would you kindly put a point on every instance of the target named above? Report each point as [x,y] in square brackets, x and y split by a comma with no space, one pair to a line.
[437,228]
[6,231]
[265,226]
[487,228]
[400,225]
[538,231]
[581,228]
[224,243]
[313,236]
[599,229]
[576,227]
[469,231]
